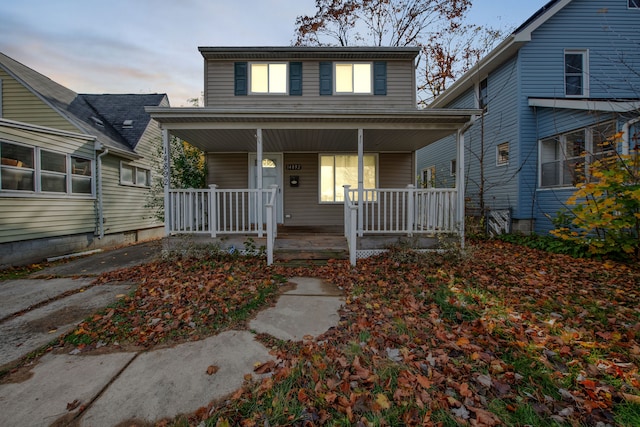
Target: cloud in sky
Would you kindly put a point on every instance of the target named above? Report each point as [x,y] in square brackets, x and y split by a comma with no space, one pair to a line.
[123,46]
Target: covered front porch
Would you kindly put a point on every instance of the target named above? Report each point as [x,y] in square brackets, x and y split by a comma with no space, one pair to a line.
[256,199]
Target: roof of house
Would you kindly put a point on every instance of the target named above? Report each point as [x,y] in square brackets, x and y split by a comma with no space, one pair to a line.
[99,115]
[310,52]
[500,54]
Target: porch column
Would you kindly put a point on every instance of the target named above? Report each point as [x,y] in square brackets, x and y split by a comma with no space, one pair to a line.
[360,181]
[259,179]
[166,172]
[460,184]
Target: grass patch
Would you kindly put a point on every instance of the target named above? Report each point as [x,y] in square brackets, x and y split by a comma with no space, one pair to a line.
[627,414]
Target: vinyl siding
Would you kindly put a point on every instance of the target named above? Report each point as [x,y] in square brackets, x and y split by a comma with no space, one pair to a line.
[228,170]
[219,84]
[20,104]
[40,216]
[124,205]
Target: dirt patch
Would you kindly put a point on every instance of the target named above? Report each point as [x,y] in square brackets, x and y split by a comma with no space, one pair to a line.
[18,375]
[58,318]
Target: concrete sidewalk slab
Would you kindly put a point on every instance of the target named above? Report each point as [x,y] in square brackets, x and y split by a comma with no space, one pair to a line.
[57,381]
[19,295]
[168,382]
[28,332]
[294,317]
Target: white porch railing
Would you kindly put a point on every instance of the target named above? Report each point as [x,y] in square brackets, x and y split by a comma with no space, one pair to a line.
[224,211]
[398,211]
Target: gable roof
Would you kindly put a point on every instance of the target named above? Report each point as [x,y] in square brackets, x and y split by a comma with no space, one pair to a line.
[87,112]
[499,54]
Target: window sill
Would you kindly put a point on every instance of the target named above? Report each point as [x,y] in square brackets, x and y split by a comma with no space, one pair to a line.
[129,184]
[563,188]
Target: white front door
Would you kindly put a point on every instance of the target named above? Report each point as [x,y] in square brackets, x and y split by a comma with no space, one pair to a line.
[271,174]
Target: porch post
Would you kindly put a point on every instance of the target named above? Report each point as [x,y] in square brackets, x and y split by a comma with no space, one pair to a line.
[460,184]
[259,179]
[360,181]
[166,172]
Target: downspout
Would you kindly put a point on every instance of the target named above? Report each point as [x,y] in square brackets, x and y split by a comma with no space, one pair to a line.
[99,189]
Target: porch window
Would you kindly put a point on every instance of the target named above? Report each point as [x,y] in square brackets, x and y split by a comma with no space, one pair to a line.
[51,173]
[337,170]
[565,158]
[269,78]
[576,80]
[353,78]
[134,175]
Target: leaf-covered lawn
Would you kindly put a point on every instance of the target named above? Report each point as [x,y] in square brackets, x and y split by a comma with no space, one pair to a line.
[503,335]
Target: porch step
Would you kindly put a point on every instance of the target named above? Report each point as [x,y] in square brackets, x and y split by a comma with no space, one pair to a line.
[303,249]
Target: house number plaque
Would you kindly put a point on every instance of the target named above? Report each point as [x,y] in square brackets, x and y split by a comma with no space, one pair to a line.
[294,166]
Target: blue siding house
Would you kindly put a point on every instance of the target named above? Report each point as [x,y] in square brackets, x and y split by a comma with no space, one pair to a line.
[565,80]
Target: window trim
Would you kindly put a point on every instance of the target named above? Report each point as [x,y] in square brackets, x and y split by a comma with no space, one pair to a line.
[353,93]
[339,202]
[585,72]
[37,175]
[134,175]
[268,92]
[502,163]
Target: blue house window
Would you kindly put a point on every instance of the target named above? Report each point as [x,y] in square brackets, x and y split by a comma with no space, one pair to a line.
[576,82]
[565,158]
[634,4]
[483,96]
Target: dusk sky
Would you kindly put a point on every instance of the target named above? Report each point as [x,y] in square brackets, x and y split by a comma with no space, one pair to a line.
[151,46]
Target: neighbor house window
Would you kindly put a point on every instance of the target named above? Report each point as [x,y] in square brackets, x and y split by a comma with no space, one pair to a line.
[429,177]
[576,80]
[353,78]
[565,158]
[0,97]
[337,170]
[452,167]
[53,172]
[269,78]
[502,154]
[483,97]
[634,4]
[134,175]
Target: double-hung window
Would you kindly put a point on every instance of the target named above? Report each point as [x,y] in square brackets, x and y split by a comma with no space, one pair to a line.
[565,158]
[576,73]
[337,170]
[634,4]
[483,95]
[38,170]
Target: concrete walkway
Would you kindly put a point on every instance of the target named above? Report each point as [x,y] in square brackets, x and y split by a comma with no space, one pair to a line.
[109,389]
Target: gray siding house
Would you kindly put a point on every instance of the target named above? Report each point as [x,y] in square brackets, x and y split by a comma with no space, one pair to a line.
[75,170]
[285,129]
[565,80]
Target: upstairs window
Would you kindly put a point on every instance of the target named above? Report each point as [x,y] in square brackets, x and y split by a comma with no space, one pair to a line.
[353,78]
[634,4]
[576,81]
[483,97]
[268,78]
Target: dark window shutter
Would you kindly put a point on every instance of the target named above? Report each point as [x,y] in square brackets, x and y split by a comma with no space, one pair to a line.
[295,78]
[379,78]
[326,78]
[241,78]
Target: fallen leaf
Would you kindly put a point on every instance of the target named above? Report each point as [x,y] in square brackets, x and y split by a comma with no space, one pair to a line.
[73,405]
[212,369]
[383,401]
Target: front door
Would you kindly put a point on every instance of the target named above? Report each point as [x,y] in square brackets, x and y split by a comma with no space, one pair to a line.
[271,174]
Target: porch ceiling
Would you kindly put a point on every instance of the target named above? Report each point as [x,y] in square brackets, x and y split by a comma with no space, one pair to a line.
[314,131]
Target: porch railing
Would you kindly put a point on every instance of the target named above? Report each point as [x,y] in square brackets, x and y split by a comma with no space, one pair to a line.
[224,211]
[398,211]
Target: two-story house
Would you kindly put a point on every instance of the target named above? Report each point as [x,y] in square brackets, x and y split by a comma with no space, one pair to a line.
[564,81]
[290,127]
[76,168]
